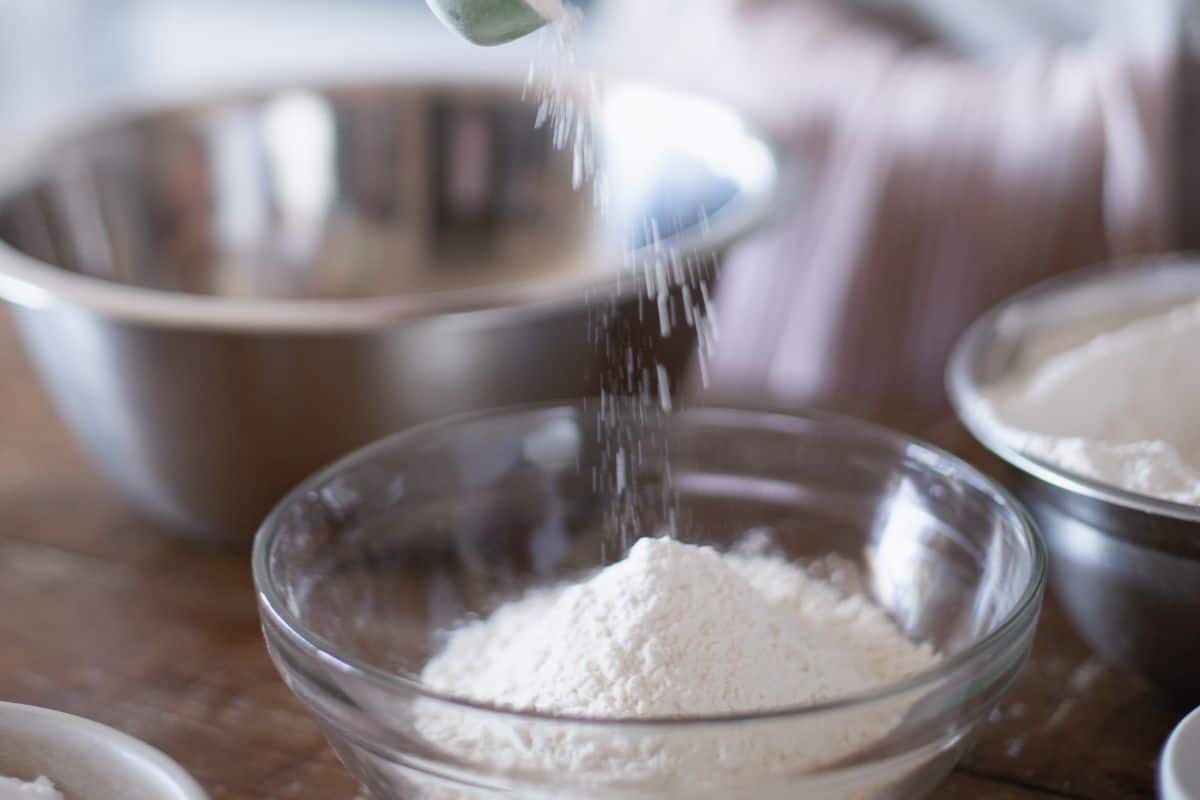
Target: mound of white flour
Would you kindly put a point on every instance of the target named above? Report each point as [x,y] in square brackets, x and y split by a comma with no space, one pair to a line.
[41,789]
[1120,408]
[672,630]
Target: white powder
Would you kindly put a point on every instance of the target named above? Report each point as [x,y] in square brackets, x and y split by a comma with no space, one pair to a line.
[41,789]
[672,630]
[1119,408]
[566,92]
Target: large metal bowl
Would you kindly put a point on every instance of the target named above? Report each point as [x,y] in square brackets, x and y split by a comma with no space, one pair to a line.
[224,296]
[1125,566]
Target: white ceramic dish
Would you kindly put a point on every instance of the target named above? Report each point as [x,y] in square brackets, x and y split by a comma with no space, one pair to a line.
[1179,768]
[87,760]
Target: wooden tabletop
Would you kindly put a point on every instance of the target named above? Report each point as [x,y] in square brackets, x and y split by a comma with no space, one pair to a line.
[103,615]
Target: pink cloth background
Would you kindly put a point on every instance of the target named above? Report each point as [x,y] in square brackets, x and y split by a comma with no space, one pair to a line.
[935,184]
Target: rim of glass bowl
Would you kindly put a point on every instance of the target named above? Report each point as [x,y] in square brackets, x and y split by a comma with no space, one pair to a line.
[1014,623]
[965,396]
[34,283]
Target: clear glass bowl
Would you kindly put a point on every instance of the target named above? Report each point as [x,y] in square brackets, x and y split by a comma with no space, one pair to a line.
[361,570]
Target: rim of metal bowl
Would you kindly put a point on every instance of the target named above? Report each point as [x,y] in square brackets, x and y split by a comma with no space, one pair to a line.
[965,398]
[1019,617]
[31,282]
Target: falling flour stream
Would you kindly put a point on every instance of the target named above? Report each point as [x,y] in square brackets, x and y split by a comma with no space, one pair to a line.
[649,636]
[673,287]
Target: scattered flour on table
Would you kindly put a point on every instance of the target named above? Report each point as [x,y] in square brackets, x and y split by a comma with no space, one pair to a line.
[1120,408]
[41,789]
[674,629]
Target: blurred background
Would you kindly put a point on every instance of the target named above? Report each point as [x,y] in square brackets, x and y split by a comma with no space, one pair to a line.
[942,155]
[949,153]
[65,57]
[953,153]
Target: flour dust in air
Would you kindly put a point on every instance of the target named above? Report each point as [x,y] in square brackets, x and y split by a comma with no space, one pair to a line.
[672,292]
[565,92]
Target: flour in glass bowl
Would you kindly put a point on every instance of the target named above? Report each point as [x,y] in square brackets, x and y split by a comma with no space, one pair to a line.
[673,630]
[1120,408]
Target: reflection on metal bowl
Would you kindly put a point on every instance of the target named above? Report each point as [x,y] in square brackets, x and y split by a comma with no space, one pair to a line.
[1125,566]
[224,296]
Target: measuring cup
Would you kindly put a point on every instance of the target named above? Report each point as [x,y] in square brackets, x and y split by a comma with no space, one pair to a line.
[491,22]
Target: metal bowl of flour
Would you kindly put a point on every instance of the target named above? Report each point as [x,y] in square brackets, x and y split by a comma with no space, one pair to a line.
[1125,566]
[223,296]
[363,570]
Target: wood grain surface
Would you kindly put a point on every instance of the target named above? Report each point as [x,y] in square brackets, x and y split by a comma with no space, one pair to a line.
[103,615]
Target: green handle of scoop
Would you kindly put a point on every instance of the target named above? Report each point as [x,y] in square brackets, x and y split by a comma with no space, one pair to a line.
[488,22]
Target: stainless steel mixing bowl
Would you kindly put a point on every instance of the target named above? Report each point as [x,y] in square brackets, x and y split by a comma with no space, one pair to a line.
[1126,567]
[224,296]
